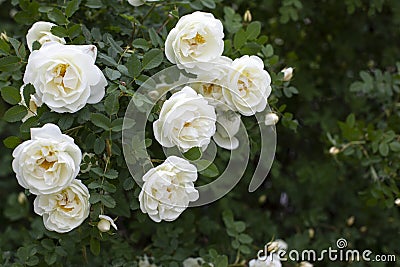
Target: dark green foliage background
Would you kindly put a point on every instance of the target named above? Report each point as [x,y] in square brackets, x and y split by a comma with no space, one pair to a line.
[345,57]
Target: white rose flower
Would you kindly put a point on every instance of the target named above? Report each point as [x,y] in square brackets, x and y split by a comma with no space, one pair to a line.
[228,124]
[195,262]
[136,2]
[64,210]
[287,74]
[196,39]
[271,119]
[40,31]
[186,120]
[168,189]
[48,162]
[65,77]
[249,85]
[269,262]
[105,223]
[34,103]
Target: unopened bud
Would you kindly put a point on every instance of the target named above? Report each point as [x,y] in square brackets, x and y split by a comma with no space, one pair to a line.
[277,245]
[334,150]
[262,199]
[311,233]
[4,36]
[350,221]
[105,223]
[21,198]
[271,119]
[397,201]
[363,229]
[287,74]
[247,16]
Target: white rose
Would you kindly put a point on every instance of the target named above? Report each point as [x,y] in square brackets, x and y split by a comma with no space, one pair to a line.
[40,31]
[196,39]
[228,124]
[48,162]
[195,262]
[105,223]
[168,189]
[210,83]
[186,120]
[271,119]
[269,262]
[64,210]
[277,245]
[287,74]
[249,85]
[65,77]
[136,2]
[34,103]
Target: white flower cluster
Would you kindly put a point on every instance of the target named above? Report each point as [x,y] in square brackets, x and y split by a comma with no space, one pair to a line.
[211,108]
[47,166]
[65,78]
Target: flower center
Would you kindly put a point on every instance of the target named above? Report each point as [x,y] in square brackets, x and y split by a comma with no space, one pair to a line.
[59,73]
[65,201]
[187,124]
[198,39]
[46,164]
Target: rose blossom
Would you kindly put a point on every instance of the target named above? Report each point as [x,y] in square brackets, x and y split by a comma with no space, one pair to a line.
[65,77]
[168,189]
[196,39]
[186,120]
[41,32]
[64,210]
[249,85]
[228,124]
[48,162]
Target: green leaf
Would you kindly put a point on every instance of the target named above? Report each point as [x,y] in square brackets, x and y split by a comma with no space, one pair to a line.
[9,63]
[95,246]
[11,142]
[244,249]
[94,3]
[245,239]
[47,244]
[141,43]
[208,169]
[94,198]
[395,146]
[253,30]
[72,7]
[239,39]
[134,66]
[208,3]
[111,103]
[384,149]
[116,125]
[193,154]
[239,226]
[11,95]
[57,16]
[268,50]
[351,120]
[101,121]
[15,113]
[74,31]
[99,145]
[50,258]
[152,59]
[59,31]
[108,201]
[111,174]
[112,74]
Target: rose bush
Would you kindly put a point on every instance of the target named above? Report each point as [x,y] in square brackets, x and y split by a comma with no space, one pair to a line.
[84,62]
